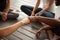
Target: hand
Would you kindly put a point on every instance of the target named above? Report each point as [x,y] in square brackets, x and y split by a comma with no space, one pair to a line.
[32,18]
[26,21]
[4,16]
[38,33]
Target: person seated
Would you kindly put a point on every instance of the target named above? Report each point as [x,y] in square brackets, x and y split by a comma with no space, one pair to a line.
[56,30]
[4,10]
[40,12]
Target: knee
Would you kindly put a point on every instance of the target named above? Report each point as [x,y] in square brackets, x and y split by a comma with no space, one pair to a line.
[22,7]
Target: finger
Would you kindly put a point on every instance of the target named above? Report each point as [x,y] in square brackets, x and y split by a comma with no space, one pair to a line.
[37,34]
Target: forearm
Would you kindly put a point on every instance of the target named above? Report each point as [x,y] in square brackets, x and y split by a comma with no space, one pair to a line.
[47,27]
[35,7]
[8,6]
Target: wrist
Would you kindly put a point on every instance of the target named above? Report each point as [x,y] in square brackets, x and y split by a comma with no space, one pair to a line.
[32,13]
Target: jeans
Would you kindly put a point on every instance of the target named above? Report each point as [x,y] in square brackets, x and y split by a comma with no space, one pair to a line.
[28,10]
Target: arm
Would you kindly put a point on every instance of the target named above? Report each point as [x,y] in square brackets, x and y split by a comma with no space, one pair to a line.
[46,20]
[10,29]
[48,5]
[36,6]
[43,28]
[4,15]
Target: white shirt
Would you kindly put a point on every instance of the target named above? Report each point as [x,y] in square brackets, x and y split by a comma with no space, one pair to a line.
[55,9]
[57,12]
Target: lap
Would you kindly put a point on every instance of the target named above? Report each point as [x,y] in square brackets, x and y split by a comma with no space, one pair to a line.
[47,14]
[11,15]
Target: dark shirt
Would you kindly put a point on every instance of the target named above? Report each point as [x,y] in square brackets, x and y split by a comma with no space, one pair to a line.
[57,2]
[2,5]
